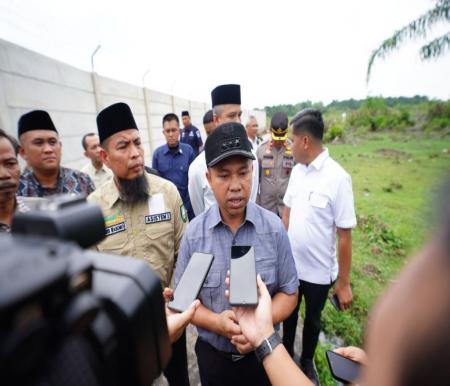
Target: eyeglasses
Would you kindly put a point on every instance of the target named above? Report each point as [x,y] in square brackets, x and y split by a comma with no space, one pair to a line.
[255,125]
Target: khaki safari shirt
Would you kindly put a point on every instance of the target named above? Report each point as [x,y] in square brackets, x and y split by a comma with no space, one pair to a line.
[151,230]
[100,176]
[275,166]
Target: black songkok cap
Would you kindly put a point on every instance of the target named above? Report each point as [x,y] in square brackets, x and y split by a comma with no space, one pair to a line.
[227,140]
[113,119]
[185,113]
[35,120]
[226,94]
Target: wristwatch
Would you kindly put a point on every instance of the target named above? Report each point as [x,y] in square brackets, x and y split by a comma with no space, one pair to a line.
[267,346]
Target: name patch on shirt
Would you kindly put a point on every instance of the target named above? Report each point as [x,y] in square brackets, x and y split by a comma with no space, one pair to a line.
[115,229]
[153,218]
[115,223]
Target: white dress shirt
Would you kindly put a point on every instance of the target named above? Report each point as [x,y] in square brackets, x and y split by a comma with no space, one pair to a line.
[320,197]
[201,194]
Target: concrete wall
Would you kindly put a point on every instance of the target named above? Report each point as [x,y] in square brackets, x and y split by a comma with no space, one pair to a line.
[73,97]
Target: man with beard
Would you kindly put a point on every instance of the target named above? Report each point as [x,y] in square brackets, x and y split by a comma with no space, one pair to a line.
[144,215]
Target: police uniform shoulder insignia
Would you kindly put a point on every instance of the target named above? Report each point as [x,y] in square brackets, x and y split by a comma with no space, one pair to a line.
[183,213]
[288,151]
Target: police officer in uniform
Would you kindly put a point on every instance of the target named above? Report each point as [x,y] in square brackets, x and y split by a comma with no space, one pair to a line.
[190,134]
[144,214]
[275,165]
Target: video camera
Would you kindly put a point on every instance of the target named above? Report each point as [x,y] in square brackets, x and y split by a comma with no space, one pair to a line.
[70,316]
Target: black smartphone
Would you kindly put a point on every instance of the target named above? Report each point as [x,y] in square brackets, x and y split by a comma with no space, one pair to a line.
[343,369]
[243,289]
[335,302]
[191,281]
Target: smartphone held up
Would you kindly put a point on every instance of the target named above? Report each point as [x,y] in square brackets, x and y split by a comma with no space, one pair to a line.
[243,287]
[191,281]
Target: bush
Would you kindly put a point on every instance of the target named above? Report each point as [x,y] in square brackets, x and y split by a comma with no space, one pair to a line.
[332,133]
[438,116]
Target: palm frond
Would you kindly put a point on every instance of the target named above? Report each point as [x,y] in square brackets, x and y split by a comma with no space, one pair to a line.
[417,28]
[436,47]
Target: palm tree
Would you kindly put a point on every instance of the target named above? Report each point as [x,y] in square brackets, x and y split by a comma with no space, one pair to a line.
[418,28]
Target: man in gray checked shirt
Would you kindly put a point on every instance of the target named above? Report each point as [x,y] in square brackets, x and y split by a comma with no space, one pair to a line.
[224,355]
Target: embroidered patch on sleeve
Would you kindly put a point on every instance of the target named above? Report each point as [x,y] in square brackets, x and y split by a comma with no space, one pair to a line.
[183,213]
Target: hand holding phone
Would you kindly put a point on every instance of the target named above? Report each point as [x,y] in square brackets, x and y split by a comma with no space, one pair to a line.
[191,281]
[335,302]
[343,369]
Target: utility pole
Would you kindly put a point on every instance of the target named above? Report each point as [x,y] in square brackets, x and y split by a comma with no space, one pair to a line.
[95,82]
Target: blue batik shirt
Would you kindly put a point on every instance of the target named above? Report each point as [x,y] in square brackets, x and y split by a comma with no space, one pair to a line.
[191,135]
[68,181]
[261,229]
[173,165]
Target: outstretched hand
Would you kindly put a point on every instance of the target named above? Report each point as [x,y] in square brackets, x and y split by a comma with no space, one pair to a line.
[255,322]
[177,321]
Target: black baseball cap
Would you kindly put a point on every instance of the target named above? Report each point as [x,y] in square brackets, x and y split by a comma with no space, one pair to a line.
[227,140]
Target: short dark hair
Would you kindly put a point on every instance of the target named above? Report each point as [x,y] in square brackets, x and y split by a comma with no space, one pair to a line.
[208,117]
[170,117]
[83,140]
[309,120]
[11,140]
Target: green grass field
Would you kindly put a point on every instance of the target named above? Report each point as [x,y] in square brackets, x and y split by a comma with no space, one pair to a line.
[393,185]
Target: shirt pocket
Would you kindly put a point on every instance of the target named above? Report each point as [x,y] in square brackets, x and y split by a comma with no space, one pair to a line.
[318,209]
[114,243]
[265,251]
[161,233]
[210,294]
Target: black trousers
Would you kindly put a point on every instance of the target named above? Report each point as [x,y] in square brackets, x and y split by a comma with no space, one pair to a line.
[176,371]
[315,297]
[216,369]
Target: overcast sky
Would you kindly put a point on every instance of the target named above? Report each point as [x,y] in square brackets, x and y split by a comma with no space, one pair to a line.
[279,51]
